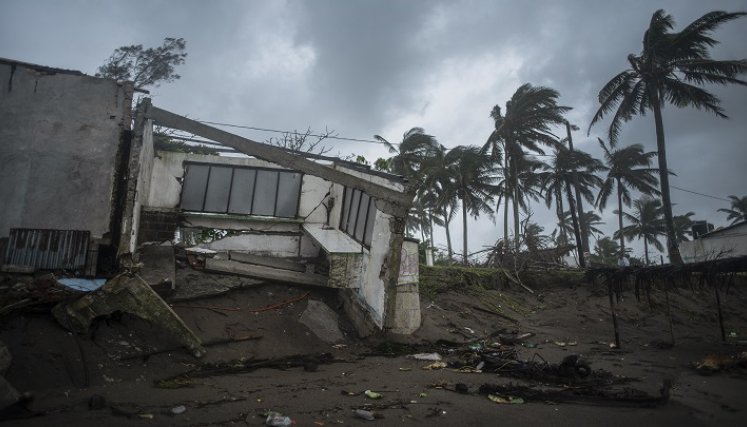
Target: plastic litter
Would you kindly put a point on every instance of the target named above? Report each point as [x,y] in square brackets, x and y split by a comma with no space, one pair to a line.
[276,419]
[372,394]
[176,410]
[366,415]
[433,357]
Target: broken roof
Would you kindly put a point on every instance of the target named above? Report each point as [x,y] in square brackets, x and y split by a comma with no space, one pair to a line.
[40,68]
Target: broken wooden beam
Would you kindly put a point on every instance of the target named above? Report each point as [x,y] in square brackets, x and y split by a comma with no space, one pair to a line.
[279,156]
[274,262]
[264,272]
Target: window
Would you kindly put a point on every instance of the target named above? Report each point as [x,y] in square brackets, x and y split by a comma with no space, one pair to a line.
[358,215]
[241,190]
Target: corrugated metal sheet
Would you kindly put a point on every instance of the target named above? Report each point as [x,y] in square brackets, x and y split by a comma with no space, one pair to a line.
[48,249]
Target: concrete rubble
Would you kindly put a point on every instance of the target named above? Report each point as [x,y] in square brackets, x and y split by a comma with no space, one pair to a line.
[129,294]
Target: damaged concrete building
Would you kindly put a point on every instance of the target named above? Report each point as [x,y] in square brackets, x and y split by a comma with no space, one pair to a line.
[85,188]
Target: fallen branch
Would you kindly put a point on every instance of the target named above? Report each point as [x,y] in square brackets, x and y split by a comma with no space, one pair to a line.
[206,344]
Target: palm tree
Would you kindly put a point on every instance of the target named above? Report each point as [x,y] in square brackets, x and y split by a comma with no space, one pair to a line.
[669,68]
[738,211]
[526,125]
[646,223]
[683,227]
[590,218]
[438,181]
[566,170]
[473,178]
[414,150]
[606,252]
[627,167]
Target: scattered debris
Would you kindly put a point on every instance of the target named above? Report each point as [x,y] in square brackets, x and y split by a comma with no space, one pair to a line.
[129,294]
[177,410]
[600,395]
[372,394]
[714,363]
[364,414]
[322,321]
[276,419]
[435,357]
[435,366]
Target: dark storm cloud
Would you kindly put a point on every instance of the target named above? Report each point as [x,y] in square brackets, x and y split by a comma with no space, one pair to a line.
[366,67]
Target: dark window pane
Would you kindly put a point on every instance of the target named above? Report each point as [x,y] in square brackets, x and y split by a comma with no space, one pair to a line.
[360,226]
[289,185]
[242,191]
[264,193]
[193,191]
[347,199]
[370,224]
[350,228]
[218,189]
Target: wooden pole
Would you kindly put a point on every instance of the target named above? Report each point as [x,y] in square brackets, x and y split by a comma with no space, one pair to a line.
[614,315]
[720,313]
[669,311]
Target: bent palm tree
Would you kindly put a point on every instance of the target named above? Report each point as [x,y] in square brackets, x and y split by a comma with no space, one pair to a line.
[738,211]
[526,125]
[627,167]
[669,68]
[473,178]
[646,224]
[566,170]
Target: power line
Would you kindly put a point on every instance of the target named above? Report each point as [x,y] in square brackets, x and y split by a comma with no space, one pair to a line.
[343,138]
[699,194]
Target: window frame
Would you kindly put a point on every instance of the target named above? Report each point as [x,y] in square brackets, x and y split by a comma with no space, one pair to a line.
[233,168]
[353,212]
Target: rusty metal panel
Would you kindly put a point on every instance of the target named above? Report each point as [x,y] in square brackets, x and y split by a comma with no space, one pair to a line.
[47,249]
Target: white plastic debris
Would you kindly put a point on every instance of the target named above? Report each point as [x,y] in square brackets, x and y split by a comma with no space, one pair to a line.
[432,357]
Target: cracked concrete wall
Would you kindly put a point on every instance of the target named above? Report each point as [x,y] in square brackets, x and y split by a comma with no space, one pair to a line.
[60,133]
[165,192]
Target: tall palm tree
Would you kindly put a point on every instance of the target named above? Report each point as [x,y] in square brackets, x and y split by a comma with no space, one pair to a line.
[473,180]
[438,181]
[669,68]
[646,223]
[738,211]
[627,168]
[525,126]
[566,170]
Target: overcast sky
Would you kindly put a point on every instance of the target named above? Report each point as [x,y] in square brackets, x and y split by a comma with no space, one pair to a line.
[383,67]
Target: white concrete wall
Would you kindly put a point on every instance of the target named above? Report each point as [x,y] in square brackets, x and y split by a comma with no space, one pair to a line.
[165,192]
[724,244]
[59,138]
[142,188]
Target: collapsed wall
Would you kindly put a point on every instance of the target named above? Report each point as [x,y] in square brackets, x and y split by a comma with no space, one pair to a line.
[62,135]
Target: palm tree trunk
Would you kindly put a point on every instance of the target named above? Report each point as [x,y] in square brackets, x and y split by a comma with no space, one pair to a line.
[448,235]
[505,206]
[645,249]
[561,216]
[464,237]
[580,205]
[620,217]
[576,231]
[674,253]
[516,207]
[430,217]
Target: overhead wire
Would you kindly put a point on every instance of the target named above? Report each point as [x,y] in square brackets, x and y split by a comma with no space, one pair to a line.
[370,141]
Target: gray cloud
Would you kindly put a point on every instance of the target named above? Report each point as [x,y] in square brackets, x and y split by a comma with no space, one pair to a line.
[365,67]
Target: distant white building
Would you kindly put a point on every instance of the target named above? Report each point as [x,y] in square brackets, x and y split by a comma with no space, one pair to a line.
[726,242]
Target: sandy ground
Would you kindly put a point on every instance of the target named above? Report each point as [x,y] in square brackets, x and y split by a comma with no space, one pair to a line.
[49,362]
